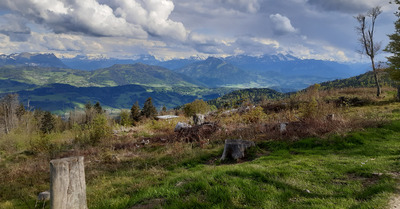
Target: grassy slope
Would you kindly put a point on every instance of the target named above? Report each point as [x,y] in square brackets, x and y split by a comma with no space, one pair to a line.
[59,97]
[113,76]
[339,172]
[364,80]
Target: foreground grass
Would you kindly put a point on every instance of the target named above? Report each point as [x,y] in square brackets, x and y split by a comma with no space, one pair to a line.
[354,171]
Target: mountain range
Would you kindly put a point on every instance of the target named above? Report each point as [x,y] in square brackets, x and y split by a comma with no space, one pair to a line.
[194,78]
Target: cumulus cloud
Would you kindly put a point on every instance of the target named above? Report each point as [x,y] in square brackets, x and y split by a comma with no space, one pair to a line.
[129,18]
[14,27]
[346,6]
[281,24]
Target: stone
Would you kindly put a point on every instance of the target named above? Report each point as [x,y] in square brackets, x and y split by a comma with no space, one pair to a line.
[235,148]
[180,125]
[282,127]
[166,117]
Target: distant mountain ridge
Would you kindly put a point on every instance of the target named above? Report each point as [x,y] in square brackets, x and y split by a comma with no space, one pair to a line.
[280,72]
[32,59]
[214,72]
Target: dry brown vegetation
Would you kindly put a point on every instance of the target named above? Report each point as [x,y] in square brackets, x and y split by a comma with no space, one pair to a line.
[25,151]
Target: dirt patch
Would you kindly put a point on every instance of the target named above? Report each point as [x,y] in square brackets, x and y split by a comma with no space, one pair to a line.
[154,203]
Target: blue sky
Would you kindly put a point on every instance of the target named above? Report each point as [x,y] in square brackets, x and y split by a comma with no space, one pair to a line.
[318,29]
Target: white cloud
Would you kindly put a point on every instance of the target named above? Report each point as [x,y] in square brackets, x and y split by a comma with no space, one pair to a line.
[120,18]
[281,24]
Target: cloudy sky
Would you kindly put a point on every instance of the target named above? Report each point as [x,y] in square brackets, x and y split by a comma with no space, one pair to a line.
[318,29]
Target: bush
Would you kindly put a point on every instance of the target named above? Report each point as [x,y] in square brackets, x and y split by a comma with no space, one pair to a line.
[196,107]
[92,133]
[124,118]
[255,115]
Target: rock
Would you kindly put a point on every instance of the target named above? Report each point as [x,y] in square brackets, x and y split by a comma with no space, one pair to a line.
[180,125]
[282,127]
[166,117]
[235,148]
[44,196]
[198,119]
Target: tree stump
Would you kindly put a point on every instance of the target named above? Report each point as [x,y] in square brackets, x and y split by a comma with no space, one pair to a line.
[67,186]
[235,148]
[198,119]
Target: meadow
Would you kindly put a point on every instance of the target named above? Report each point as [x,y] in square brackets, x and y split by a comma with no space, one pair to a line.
[348,161]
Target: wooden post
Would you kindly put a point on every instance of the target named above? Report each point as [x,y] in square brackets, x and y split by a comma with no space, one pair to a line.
[67,186]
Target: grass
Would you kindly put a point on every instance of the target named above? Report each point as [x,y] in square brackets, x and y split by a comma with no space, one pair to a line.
[353,171]
[350,166]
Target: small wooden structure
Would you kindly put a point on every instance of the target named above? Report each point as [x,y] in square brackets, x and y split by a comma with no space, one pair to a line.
[68,186]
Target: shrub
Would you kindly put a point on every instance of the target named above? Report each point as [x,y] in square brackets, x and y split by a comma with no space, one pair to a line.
[92,133]
[124,118]
[255,115]
[196,107]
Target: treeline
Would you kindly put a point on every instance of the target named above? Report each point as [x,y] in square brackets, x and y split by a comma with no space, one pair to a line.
[365,80]
[237,98]
[88,126]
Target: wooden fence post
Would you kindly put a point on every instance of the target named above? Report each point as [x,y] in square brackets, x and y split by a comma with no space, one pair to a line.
[67,186]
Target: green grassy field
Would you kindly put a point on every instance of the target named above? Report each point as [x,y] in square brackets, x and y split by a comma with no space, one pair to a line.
[358,170]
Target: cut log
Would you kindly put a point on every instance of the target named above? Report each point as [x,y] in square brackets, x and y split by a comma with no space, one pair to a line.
[235,148]
[67,186]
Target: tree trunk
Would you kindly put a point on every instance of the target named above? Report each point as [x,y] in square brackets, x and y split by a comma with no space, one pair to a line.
[67,186]
[378,86]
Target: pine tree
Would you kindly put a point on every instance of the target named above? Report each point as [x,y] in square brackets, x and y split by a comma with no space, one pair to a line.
[97,107]
[135,112]
[149,111]
[394,48]
[47,123]
[164,110]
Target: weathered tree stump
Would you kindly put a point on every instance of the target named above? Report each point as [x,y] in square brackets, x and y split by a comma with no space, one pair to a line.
[67,186]
[198,119]
[235,148]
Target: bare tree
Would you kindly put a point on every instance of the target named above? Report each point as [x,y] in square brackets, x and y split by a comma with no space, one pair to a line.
[366,32]
[8,106]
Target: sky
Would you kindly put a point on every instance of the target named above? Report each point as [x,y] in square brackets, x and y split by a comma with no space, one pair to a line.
[168,29]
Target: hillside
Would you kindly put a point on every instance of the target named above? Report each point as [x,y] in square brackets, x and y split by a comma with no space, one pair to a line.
[254,96]
[39,76]
[114,76]
[62,97]
[364,80]
[312,161]
[214,72]
[139,74]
